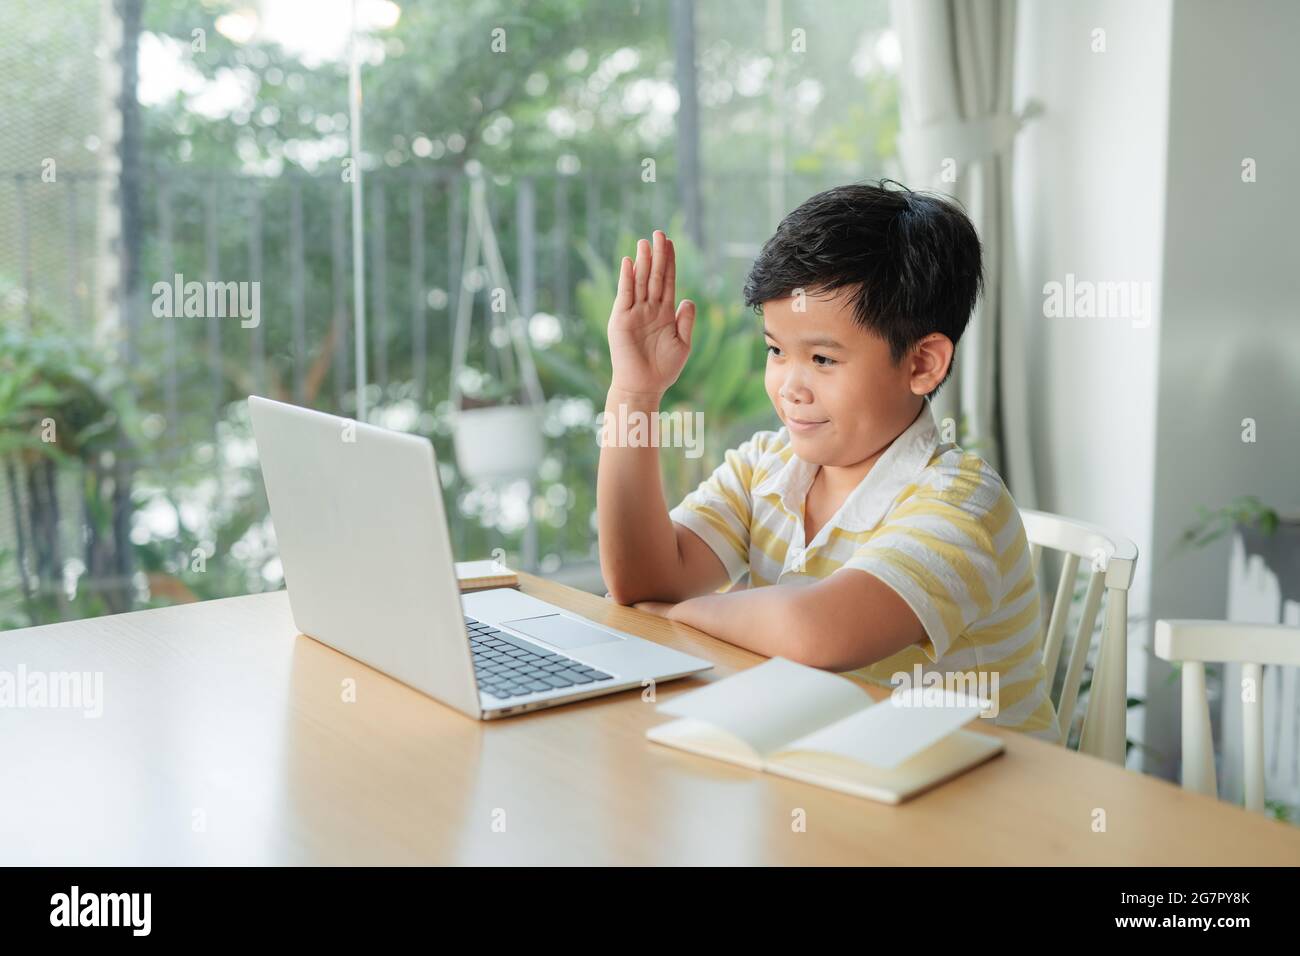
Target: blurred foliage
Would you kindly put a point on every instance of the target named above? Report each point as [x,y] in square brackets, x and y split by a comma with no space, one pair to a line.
[433,74]
[64,411]
[50,372]
[1211,525]
[833,65]
[1279,811]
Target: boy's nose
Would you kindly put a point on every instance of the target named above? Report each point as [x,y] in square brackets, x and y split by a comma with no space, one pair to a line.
[794,393]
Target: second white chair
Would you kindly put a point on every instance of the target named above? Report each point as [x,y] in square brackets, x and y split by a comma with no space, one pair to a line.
[1111,561]
[1197,643]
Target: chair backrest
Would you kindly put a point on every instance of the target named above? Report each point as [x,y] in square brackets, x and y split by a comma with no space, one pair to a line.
[1111,560]
[1196,643]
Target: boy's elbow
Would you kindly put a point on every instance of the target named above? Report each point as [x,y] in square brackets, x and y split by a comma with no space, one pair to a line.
[616,584]
[800,632]
[617,589]
[625,592]
[627,585]
[620,594]
[808,654]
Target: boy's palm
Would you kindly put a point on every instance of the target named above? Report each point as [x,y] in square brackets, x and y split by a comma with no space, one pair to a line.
[649,340]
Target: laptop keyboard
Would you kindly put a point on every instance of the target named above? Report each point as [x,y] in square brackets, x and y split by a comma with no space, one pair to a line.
[507,666]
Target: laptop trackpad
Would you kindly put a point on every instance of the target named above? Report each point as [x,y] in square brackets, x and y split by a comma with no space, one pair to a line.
[561,631]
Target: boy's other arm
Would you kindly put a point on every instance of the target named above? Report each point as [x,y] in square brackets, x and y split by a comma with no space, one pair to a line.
[644,556]
[843,622]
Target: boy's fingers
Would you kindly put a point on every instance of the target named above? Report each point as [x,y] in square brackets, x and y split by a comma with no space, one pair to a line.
[670,271]
[657,260]
[642,269]
[623,297]
[685,321]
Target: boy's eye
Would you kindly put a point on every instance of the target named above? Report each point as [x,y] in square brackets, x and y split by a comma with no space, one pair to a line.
[823,361]
[773,349]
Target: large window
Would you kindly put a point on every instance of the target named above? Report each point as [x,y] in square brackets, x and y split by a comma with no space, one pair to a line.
[153,148]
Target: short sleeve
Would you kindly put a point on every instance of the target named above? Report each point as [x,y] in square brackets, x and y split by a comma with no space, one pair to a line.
[720,509]
[938,557]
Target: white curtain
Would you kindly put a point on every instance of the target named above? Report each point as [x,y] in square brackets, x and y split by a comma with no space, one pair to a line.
[957,132]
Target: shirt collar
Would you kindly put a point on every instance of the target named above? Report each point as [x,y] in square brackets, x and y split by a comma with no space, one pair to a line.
[899,465]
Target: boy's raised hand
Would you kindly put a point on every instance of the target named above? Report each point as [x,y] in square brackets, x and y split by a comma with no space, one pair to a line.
[648,339]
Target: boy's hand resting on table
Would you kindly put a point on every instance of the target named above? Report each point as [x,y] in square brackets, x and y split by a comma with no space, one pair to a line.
[659,608]
[648,339]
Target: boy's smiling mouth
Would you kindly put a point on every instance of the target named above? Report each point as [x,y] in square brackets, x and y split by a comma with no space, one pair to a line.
[803,425]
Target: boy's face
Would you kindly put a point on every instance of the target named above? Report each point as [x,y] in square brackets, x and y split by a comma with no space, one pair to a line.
[833,383]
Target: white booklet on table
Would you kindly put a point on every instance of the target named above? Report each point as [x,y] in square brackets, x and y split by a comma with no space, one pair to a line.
[815,726]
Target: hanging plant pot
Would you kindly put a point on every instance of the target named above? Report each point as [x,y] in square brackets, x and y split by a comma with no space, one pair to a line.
[498,442]
[497,433]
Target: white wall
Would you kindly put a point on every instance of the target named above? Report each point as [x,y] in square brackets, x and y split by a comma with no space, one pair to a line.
[1230,336]
[1089,187]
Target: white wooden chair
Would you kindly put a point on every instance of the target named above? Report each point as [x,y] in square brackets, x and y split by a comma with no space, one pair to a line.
[1196,643]
[1111,559]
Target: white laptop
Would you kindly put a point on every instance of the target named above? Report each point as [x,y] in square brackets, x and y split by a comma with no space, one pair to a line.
[368,565]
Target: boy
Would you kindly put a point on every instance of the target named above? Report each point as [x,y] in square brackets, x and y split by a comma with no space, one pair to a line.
[893,553]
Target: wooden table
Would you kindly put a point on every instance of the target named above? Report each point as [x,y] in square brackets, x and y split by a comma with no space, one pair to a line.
[225,738]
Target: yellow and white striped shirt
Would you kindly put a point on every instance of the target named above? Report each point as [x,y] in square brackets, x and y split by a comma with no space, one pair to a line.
[930,520]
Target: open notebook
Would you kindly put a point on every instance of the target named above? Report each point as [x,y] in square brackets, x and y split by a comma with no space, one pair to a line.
[814,726]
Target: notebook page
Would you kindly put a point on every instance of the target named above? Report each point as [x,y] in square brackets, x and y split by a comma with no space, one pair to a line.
[901,726]
[771,703]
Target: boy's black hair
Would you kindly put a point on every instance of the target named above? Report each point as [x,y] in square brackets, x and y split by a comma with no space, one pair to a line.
[913,257]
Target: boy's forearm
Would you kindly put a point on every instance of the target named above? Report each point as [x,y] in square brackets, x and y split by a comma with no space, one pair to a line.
[639,557]
[765,620]
[841,623]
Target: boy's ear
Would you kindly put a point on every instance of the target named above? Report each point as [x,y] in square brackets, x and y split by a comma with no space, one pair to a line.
[931,358]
